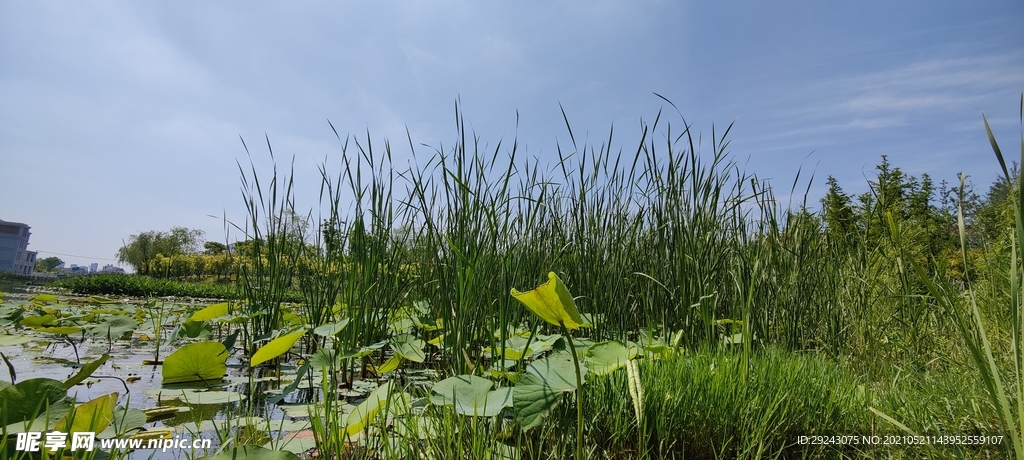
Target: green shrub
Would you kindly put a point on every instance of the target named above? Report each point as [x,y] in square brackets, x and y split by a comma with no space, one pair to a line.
[144,286]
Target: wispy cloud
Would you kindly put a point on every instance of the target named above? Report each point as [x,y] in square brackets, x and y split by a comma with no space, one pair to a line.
[947,85]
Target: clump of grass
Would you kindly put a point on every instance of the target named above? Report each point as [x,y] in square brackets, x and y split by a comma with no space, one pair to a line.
[276,234]
[708,405]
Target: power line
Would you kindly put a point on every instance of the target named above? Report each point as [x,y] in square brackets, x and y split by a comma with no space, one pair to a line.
[73,255]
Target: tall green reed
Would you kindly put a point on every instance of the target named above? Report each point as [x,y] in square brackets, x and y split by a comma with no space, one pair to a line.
[971,324]
[266,273]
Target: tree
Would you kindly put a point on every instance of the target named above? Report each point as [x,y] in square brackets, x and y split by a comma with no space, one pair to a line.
[48,265]
[840,221]
[214,248]
[141,249]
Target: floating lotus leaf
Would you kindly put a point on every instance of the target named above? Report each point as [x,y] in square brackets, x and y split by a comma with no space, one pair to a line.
[116,325]
[59,330]
[44,299]
[196,362]
[515,347]
[196,397]
[472,395]
[14,339]
[275,348]
[100,300]
[37,321]
[552,302]
[292,443]
[289,425]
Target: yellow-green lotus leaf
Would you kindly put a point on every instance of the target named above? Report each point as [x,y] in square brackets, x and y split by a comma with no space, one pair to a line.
[553,303]
[92,416]
[366,411]
[210,312]
[196,362]
[275,348]
[390,365]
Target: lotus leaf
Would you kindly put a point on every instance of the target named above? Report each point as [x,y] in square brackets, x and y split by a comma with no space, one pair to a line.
[86,370]
[194,397]
[28,399]
[552,302]
[37,321]
[194,329]
[324,357]
[390,365]
[275,348]
[367,410]
[14,339]
[472,395]
[291,443]
[202,361]
[539,389]
[210,312]
[331,329]
[59,330]
[408,347]
[125,420]
[94,416]
[44,299]
[115,325]
[605,357]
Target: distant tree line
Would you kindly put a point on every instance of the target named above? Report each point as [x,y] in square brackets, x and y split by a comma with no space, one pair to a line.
[925,218]
[179,253]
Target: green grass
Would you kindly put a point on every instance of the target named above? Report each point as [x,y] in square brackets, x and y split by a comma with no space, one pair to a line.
[706,405]
[789,331]
[142,286]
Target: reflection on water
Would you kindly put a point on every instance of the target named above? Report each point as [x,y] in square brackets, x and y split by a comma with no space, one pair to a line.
[60,356]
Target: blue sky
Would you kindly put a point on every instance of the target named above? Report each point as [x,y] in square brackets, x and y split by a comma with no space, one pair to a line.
[121,117]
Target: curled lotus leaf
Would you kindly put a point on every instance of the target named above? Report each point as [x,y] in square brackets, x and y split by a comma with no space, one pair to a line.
[553,303]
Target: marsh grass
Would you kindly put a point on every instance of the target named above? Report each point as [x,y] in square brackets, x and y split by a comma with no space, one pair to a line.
[670,239]
[266,274]
[711,405]
[1004,389]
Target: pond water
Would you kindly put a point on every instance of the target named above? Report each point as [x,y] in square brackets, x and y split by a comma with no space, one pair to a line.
[129,372]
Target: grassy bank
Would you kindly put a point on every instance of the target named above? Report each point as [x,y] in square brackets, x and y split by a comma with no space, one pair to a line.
[144,286]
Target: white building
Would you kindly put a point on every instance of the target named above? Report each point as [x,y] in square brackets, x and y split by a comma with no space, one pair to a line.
[94,267]
[14,254]
[111,268]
